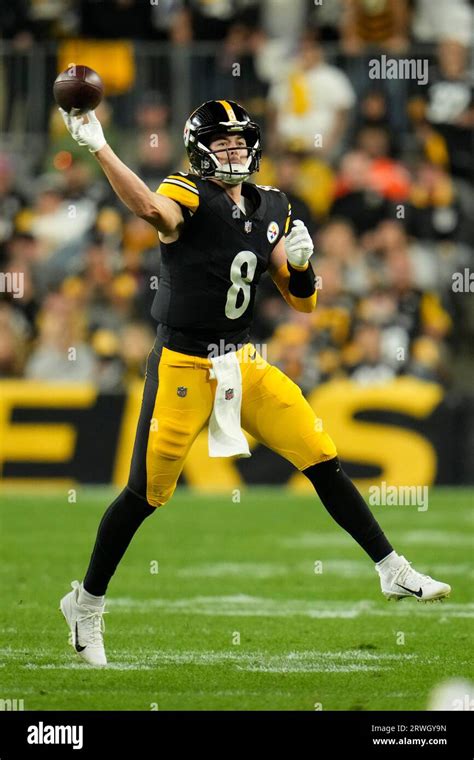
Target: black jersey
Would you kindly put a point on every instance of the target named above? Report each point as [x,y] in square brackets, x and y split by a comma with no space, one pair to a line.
[209,276]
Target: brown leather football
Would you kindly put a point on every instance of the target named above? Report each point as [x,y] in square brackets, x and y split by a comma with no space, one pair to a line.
[78,87]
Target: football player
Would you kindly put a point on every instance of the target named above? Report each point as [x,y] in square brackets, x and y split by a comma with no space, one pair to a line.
[219,233]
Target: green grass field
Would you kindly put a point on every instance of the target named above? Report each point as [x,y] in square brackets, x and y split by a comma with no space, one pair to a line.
[228,573]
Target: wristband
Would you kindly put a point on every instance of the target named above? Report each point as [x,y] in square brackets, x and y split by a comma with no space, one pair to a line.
[302,282]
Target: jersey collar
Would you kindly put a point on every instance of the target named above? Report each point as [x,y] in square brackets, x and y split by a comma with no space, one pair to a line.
[249,190]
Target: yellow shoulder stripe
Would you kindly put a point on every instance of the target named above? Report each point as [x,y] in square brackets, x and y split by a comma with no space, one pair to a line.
[182,179]
[187,197]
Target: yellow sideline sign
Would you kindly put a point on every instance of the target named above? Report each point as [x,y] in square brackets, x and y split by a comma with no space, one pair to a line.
[41,425]
[39,441]
[404,456]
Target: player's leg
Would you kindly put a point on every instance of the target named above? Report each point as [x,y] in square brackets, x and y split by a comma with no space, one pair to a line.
[346,505]
[177,401]
[275,412]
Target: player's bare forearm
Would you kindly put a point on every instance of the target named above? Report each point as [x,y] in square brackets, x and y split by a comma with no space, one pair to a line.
[163,213]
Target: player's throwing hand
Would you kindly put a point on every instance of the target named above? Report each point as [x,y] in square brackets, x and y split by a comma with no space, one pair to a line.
[299,245]
[89,134]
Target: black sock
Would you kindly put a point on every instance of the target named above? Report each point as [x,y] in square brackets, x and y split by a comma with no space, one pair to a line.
[117,528]
[347,507]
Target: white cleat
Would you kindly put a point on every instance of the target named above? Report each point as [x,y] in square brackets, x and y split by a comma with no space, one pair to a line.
[86,624]
[403,581]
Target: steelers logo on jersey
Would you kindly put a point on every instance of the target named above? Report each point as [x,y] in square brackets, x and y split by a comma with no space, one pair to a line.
[272,232]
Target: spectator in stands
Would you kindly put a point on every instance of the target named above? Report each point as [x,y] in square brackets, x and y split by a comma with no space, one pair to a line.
[438,206]
[134,347]
[55,221]
[141,260]
[420,312]
[428,360]
[379,307]
[26,306]
[78,182]
[23,23]
[155,156]
[91,288]
[445,18]
[288,174]
[270,55]
[331,321]
[281,20]
[326,18]
[61,353]
[386,175]
[11,202]
[450,105]
[167,19]
[312,102]
[337,240]
[364,359]
[236,72]
[109,366]
[373,110]
[312,179]
[368,26]
[391,237]
[289,349]
[115,19]
[355,197]
[209,20]
[368,29]
[13,342]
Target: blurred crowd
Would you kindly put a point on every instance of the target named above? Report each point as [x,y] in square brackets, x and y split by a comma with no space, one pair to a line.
[380,170]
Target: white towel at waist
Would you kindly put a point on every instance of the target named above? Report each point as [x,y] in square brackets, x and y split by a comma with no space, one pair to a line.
[226,438]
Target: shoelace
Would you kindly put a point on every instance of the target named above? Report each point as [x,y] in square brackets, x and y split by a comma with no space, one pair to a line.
[95,630]
[406,572]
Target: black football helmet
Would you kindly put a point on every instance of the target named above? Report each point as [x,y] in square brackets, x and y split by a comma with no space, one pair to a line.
[221,117]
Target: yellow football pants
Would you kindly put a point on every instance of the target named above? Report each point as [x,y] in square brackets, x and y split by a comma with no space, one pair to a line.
[177,403]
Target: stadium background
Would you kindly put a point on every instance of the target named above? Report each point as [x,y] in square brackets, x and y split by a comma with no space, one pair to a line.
[386,358]
[250,598]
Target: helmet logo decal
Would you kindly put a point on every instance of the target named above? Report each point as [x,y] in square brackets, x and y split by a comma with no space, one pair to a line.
[187,133]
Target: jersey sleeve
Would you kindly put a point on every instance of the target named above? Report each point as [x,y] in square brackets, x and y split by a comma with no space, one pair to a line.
[280,207]
[283,209]
[180,188]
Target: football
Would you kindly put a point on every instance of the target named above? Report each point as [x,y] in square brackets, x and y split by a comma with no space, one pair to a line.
[78,87]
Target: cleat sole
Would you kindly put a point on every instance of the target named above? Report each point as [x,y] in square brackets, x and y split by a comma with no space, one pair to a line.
[396,598]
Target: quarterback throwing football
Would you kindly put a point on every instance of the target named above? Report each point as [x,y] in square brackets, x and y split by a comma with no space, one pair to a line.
[219,233]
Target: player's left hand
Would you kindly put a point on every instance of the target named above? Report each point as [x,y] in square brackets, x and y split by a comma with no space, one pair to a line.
[298,245]
[89,134]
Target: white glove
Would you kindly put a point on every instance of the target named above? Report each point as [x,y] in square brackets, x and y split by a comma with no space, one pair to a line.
[89,134]
[298,245]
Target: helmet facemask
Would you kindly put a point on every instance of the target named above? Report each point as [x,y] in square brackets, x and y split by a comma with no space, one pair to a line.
[206,163]
[229,172]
